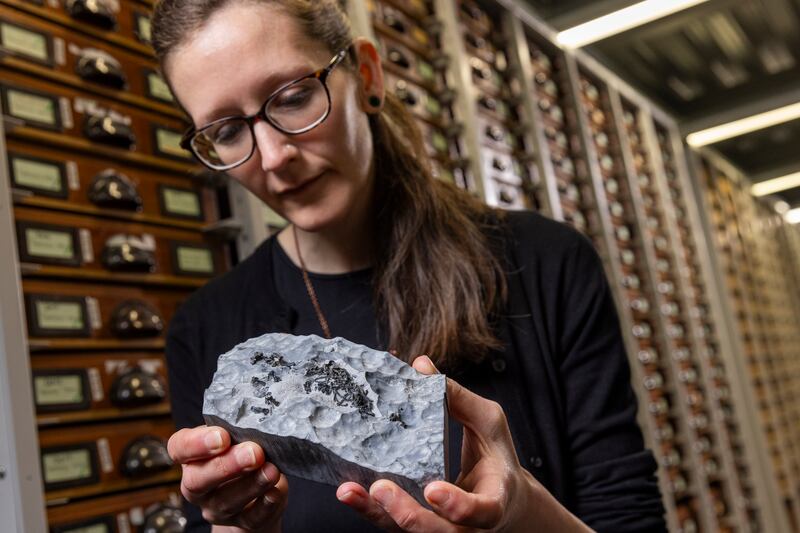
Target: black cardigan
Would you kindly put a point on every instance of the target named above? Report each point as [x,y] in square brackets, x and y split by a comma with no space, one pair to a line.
[563,377]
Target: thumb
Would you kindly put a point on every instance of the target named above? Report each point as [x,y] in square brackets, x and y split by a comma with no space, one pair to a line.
[485,418]
[424,365]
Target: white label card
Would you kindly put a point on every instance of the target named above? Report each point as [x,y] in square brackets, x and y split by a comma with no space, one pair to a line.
[36,174]
[24,41]
[96,384]
[73,180]
[33,107]
[86,245]
[104,454]
[123,524]
[137,515]
[71,465]
[58,389]
[66,112]
[59,51]
[50,244]
[93,307]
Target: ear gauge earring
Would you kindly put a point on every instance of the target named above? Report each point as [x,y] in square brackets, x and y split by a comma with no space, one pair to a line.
[374,101]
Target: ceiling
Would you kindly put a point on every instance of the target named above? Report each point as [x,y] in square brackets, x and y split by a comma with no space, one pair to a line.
[713,63]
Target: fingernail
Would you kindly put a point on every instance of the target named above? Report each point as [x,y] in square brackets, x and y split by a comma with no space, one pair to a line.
[351,497]
[269,499]
[245,456]
[438,497]
[270,473]
[213,441]
[430,362]
[383,496]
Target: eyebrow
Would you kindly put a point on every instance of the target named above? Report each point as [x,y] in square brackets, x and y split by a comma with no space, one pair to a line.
[267,87]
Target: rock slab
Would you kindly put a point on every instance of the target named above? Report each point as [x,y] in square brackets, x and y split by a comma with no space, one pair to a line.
[330,410]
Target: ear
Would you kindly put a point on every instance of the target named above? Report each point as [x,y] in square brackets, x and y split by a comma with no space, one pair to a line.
[370,75]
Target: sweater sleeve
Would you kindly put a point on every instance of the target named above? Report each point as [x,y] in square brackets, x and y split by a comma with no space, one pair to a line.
[614,483]
[184,364]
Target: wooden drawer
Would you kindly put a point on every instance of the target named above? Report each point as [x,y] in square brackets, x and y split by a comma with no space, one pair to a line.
[67,112]
[53,52]
[116,514]
[130,29]
[73,246]
[394,23]
[84,387]
[401,61]
[495,135]
[90,460]
[80,316]
[418,9]
[419,101]
[58,179]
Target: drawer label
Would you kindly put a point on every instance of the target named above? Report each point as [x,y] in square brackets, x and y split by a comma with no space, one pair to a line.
[32,107]
[169,143]
[48,177]
[158,88]
[24,41]
[181,202]
[194,260]
[50,244]
[63,389]
[60,315]
[68,465]
[143,27]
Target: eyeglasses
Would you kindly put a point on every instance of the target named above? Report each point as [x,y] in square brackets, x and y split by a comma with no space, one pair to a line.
[297,107]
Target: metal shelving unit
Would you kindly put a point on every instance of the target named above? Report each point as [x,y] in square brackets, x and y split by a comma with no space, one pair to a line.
[704,335]
[719,181]
[58,380]
[708,406]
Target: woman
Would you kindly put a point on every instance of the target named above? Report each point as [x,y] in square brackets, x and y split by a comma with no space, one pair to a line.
[515,307]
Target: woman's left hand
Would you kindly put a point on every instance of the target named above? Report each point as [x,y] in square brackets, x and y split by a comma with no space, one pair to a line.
[493,491]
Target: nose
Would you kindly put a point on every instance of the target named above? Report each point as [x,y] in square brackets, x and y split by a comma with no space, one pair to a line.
[273,147]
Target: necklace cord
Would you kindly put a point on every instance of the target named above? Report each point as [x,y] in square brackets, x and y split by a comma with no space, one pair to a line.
[310,288]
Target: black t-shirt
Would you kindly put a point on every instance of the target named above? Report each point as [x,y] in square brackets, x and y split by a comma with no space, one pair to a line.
[346,301]
[562,377]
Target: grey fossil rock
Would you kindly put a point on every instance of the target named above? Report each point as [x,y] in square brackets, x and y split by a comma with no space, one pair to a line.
[332,411]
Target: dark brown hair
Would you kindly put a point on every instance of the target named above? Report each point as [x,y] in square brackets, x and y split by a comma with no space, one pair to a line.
[437,281]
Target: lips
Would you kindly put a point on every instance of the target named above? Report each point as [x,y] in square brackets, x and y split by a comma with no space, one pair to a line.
[299,188]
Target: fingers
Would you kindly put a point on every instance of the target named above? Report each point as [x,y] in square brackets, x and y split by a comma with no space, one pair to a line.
[482,510]
[464,405]
[262,514]
[424,365]
[232,497]
[405,511]
[264,511]
[201,477]
[485,417]
[194,444]
[355,496]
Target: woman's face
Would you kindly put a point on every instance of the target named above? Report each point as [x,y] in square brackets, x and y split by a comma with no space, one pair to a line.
[231,66]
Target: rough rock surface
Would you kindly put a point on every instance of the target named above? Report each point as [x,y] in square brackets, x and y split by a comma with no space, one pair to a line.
[332,411]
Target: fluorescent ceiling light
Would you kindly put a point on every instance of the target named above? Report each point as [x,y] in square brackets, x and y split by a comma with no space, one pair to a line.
[793,216]
[744,125]
[622,20]
[774,185]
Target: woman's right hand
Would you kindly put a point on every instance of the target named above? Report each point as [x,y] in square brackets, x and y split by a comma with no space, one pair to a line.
[233,485]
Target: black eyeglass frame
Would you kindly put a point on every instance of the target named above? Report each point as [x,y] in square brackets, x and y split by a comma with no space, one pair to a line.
[321,75]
